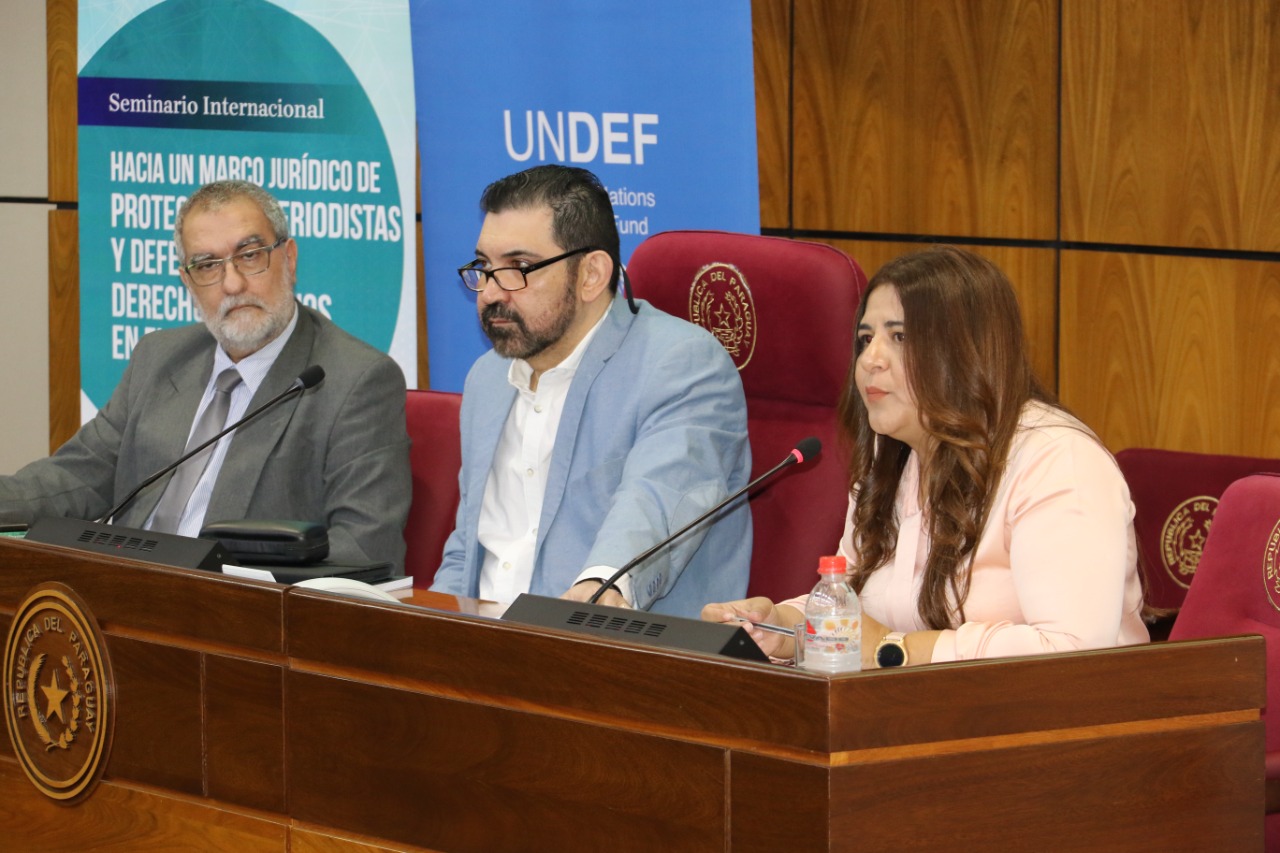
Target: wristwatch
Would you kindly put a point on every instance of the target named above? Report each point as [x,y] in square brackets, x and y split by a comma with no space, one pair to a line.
[892,650]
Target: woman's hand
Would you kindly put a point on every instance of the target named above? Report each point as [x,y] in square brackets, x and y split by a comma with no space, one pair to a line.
[748,611]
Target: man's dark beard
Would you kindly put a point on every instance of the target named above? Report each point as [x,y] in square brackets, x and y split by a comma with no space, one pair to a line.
[520,342]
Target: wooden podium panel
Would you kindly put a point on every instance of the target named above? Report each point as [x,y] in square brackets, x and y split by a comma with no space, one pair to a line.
[179,643]
[261,717]
[353,766]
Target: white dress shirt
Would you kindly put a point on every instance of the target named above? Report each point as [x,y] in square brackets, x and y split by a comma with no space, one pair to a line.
[517,482]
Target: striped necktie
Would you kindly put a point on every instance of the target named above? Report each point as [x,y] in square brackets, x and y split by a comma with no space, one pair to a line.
[183,482]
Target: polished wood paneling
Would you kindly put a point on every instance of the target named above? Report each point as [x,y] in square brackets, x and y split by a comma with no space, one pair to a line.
[1136,766]
[469,654]
[127,819]
[979,784]
[1178,353]
[455,731]
[366,758]
[794,711]
[1032,272]
[771,40]
[932,117]
[243,705]
[60,46]
[772,812]
[64,326]
[211,611]
[158,716]
[306,839]
[1170,117]
[1069,703]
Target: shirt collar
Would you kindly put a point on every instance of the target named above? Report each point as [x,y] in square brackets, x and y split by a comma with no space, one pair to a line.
[520,373]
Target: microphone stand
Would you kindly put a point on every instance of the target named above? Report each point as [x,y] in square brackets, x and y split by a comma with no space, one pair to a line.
[793,457]
[301,384]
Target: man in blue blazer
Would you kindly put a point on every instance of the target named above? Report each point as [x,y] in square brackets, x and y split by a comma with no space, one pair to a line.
[589,432]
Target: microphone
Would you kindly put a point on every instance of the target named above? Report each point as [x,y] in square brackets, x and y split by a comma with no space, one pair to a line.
[804,449]
[307,379]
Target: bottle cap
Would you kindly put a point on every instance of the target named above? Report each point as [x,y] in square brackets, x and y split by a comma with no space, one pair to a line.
[831,565]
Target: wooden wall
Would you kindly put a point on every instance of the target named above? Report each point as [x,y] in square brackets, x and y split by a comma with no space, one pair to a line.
[64,231]
[1118,159]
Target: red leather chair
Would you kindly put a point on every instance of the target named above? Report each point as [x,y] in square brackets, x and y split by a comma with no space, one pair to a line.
[1175,494]
[784,309]
[1236,590]
[434,458]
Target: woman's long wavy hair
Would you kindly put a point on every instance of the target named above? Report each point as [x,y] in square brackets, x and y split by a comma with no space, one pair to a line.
[966,360]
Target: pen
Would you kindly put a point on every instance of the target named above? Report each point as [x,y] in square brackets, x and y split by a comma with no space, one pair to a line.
[765,626]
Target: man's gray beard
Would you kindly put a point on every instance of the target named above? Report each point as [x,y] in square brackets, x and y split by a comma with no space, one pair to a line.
[234,337]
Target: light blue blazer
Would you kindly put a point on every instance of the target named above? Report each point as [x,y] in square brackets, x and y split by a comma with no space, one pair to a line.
[654,432]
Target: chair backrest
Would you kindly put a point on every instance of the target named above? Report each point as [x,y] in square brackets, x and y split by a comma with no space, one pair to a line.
[784,309]
[1175,495]
[1236,590]
[434,458]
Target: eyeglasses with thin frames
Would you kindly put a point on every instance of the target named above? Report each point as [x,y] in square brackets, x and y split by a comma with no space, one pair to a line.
[476,277]
[253,261]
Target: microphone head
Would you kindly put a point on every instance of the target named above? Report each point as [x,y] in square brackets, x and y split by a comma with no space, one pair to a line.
[312,376]
[807,448]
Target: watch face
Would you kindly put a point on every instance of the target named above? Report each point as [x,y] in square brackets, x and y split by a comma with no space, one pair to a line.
[890,654]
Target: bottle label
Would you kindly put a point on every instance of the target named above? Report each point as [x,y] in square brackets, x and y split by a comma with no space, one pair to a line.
[832,635]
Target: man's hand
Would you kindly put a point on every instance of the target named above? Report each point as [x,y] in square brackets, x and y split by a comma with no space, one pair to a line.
[582,590]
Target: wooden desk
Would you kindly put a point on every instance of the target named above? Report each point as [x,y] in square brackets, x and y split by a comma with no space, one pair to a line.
[252,716]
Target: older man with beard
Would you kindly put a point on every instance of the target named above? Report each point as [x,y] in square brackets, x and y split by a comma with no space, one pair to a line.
[589,432]
[337,454]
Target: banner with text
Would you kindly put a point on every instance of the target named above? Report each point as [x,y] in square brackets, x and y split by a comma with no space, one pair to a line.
[311,99]
[657,98]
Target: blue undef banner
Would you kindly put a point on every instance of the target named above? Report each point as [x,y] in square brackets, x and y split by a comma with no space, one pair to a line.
[311,99]
[656,97]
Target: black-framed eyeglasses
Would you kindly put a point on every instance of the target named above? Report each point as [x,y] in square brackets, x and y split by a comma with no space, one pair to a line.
[475,276]
[252,261]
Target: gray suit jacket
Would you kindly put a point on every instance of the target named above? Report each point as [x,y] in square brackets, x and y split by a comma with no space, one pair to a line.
[337,454]
[653,433]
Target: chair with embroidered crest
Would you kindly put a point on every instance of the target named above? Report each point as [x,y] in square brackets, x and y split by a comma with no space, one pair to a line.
[784,310]
[1236,590]
[1175,494]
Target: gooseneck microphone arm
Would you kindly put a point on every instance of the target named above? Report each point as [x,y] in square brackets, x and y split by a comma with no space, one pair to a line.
[308,378]
[805,449]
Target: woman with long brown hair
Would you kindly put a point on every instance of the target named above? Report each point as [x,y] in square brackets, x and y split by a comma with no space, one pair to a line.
[984,519]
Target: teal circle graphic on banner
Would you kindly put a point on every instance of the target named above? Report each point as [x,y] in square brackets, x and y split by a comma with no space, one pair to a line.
[191,91]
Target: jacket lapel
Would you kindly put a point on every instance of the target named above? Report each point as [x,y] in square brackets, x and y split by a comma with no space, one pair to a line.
[174,404]
[602,347]
[254,442]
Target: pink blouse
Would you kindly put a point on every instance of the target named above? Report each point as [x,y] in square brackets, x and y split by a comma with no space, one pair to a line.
[1056,566]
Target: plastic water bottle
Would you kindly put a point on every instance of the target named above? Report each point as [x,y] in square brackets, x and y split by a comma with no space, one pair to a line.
[832,622]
